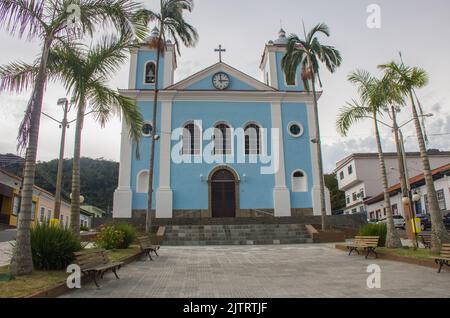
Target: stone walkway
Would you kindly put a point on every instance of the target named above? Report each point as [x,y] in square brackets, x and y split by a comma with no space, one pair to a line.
[266,271]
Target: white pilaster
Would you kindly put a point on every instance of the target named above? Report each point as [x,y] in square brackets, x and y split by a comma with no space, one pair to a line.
[273,69]
[164,194]
[281,194]
[315,165]
[123,195]
[133,69]
[169,66]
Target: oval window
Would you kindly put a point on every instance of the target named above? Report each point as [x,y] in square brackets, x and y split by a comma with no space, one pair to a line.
[295,129]
[147,129]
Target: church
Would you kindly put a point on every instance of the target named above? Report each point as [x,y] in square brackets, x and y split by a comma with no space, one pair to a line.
[228,145]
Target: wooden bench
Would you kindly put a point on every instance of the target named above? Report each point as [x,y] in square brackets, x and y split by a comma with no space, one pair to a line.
[444,258]
[152,245]
[95,263]
[426,240]
[367,243]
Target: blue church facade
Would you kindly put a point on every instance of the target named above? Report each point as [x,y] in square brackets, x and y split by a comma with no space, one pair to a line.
[263,163]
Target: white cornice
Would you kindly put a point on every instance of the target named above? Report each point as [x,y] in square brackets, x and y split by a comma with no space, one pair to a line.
[224,96]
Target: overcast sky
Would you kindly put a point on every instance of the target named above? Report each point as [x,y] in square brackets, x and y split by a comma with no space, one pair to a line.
[418,28]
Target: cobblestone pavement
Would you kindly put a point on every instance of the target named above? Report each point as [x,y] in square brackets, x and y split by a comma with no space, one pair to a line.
[308,270]
[5,253]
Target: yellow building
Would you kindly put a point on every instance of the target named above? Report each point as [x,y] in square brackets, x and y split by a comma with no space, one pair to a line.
[43,202]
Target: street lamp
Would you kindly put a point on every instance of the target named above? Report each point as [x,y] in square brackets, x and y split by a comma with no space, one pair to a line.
[81,198]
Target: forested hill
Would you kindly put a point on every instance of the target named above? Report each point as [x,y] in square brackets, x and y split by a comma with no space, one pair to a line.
[98,178]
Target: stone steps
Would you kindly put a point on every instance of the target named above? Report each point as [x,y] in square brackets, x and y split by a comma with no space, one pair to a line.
[236,234]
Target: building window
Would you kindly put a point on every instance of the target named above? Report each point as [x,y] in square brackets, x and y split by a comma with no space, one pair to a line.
[341,175]
[394,209]
[191,139]
[372,215]
[295,129]
[142,182]
[299,181]
[150,68]
[354,211]
[361,193]
[16,205]
[441,199]
[49,216]
[350,169]
[252,135]
[355,197]
[147,129]
[222,140]
[61,220]
[348,199]
[42,215]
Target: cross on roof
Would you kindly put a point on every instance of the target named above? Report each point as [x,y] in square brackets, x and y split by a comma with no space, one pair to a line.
[220,50]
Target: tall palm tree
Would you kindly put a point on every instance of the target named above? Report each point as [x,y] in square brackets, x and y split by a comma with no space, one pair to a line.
[170,21]
[407,79]
[47,22]
[307,53]
[374,97]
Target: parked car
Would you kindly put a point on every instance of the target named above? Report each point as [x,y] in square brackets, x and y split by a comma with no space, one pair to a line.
[425,221]
[446,220]
[399,221]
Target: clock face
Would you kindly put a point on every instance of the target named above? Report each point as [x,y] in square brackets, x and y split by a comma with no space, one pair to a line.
[221,81]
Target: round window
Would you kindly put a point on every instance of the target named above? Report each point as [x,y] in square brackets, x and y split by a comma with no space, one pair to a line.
[147,129]
[295,129]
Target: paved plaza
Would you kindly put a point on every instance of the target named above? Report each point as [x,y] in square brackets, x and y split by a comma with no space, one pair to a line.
[308,270]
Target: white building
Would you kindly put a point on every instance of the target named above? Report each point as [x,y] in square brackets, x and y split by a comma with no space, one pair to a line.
[359,174]
[375,208]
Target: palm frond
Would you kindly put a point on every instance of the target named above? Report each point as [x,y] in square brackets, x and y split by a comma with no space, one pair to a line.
[318,28]
[350,114]
[23,17]
[17,76]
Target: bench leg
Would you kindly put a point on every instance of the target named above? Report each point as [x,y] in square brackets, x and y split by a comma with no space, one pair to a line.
[149,255]
[156,253]
[115,273]
[351,248]
[94,277]
[371,250]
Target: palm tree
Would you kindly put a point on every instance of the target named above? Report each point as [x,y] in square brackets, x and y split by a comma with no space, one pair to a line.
[407,79]
[170,21]
[307,54]
[47,21]
[374,97]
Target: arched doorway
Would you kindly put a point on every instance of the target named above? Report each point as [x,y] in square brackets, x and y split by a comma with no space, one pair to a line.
[223,194]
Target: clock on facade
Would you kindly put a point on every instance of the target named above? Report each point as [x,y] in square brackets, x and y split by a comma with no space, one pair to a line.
[221,80]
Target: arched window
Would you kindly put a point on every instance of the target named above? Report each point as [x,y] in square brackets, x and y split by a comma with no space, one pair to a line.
[191,139]
[142,182]
[150,71]
[252,135]
[299,181]
[222,139]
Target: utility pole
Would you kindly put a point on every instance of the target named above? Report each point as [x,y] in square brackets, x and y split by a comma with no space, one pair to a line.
[65,104]
[64,124]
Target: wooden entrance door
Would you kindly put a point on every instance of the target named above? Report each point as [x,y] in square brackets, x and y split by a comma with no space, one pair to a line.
[223,194]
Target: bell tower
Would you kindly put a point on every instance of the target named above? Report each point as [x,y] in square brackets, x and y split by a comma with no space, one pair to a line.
[143,64]
[273,73]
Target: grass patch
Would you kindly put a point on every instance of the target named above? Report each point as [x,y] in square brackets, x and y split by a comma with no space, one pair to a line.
[118,255]
[421,253]
[41,280]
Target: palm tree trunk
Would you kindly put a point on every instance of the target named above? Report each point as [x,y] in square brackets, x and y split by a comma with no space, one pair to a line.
[60,164]
[392,238]
[319,154]
[403,182]
[148,216]
[22,262]
[75,200]
[439,234]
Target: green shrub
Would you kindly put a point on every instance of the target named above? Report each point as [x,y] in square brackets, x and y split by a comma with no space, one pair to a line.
[109,237]
[53,246]
[129,232]
[379,229]
[84,228]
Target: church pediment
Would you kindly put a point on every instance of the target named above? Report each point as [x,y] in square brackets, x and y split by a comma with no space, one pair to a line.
[204,80]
